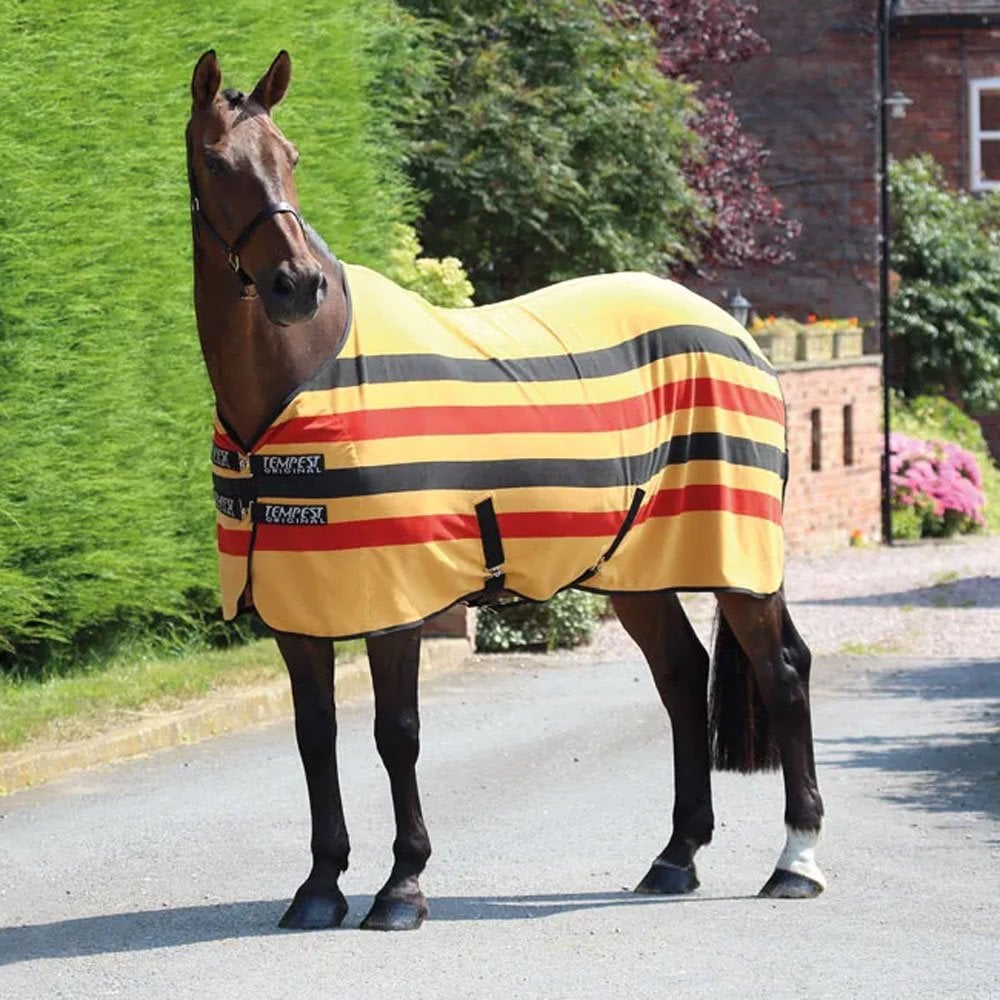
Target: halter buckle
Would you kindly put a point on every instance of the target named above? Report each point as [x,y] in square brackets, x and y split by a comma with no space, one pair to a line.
[233,260]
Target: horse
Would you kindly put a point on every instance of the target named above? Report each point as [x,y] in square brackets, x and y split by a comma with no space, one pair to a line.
[273,308]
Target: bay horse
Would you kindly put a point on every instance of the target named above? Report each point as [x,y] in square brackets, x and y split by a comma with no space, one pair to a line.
[273,307]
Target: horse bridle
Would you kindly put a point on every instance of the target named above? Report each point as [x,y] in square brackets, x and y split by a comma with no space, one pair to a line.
[232,251]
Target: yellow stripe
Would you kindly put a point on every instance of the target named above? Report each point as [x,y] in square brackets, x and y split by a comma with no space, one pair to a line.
[588,313]
[699,549]
[609,388]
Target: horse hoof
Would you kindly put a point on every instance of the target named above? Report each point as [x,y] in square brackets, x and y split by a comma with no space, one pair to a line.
[314,911]
[665,879]
[784,884]
[389,914]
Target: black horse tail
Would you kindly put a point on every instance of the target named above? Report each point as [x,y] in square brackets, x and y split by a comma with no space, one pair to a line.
[739,729]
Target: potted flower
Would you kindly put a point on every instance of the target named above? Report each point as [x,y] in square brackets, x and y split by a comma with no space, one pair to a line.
[815,342]
[847,338]
[776,336]
[822,339]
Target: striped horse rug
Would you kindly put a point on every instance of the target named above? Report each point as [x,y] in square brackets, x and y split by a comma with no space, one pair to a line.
[617,432]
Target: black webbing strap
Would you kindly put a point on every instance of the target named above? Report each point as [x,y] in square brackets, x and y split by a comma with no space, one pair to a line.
[223,458]
[633,510]
[493,556]
[630,517]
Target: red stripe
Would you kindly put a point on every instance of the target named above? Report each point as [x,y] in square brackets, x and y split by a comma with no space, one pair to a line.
[223,440]
[622,414]
[380,532]
[233,543]
[751,503]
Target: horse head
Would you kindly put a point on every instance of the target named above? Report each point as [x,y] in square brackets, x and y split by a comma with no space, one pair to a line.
[241,172]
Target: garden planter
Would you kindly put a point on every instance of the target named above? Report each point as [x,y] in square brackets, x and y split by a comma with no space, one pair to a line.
[778,348]
[847,343]
[815,345]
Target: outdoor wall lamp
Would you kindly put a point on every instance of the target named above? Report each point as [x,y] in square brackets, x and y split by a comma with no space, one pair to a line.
[897,103]
[739,308]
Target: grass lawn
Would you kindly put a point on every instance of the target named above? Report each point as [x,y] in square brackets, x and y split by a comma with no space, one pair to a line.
[81,704]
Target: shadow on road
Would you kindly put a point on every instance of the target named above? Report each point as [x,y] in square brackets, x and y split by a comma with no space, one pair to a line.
[951,755]
[969,592]
[174,927]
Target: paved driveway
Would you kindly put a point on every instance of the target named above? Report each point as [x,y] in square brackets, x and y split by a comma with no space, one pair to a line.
[547,790]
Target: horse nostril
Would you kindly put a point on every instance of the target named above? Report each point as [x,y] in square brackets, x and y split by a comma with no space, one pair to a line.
[283,283]
[322,284]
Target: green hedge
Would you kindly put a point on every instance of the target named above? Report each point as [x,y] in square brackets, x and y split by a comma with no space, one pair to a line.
[568,619]
[106,521]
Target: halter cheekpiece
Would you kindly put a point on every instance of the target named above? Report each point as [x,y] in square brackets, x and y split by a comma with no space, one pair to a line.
[232,251]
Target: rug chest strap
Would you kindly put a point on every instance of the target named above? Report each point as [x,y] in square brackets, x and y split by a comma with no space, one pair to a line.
[493,555]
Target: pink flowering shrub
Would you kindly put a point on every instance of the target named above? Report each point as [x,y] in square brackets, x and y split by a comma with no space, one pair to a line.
[937,481]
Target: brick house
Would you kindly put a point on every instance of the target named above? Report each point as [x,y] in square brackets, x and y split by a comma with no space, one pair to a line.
[813,102]
[945,56]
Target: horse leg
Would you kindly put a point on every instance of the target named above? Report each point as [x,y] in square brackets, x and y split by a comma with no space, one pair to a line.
[395,659]
[319,902]
[780,662]
[679,664]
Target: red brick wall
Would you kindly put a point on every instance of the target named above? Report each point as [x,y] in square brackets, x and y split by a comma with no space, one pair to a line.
[811,101]
[823,508]
[933,66]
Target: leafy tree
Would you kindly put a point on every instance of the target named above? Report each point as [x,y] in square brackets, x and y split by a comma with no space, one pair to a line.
[552,146]
[746,222]
[442,282]
[945,319]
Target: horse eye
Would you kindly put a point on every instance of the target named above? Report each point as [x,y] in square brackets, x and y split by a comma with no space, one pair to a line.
[216,166]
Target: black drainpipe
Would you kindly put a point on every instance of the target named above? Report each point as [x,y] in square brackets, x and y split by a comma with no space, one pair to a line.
[885,19]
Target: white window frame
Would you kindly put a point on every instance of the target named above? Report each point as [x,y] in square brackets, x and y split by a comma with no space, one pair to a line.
[977,135]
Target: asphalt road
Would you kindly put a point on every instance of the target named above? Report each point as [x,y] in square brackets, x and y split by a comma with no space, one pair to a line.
[547,790]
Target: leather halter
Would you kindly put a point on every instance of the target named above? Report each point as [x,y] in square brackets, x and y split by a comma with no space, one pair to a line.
[232,251]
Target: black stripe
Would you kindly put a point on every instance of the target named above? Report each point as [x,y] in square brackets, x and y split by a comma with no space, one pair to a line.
[628,470]
[653,345]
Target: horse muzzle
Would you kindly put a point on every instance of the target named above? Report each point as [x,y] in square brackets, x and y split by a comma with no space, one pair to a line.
[293,294]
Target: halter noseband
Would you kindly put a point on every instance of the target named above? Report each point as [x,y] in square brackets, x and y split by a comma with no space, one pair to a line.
[232,252]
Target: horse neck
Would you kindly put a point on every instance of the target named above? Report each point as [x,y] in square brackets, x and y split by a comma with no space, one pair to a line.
[252,364]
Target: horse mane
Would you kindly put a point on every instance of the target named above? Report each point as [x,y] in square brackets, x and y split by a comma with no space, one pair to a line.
[318,243]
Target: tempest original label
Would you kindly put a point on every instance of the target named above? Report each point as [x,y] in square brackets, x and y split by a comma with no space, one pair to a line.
[223,459]
[289,465]
[229,506]
[290,514]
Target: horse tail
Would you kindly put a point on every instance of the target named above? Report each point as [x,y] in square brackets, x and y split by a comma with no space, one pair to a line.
[739,729]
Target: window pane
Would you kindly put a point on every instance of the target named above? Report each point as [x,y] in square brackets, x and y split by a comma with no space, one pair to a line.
[991,160]
[989,110]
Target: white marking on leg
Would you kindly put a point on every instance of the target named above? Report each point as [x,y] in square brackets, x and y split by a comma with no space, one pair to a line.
[799,855]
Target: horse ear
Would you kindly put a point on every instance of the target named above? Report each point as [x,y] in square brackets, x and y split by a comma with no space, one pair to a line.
[273,84]
[206,80]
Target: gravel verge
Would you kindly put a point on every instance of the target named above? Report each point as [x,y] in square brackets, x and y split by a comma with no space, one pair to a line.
[939,599]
